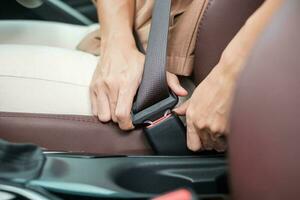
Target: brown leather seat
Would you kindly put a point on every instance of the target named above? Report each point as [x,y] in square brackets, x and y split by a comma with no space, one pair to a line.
[87,134]
[265,140]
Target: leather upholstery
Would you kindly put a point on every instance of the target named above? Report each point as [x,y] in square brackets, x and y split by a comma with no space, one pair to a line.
[221,21]
[71,133]
[84,133]
[264,142]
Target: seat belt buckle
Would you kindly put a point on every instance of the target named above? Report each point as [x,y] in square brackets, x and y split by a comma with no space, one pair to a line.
[167,135]
[164,130]
[155,111]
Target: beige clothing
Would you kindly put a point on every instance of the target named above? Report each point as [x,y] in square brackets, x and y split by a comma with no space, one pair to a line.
[185,18]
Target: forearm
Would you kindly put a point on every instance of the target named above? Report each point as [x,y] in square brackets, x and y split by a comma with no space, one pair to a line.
[116,18]
[237,51]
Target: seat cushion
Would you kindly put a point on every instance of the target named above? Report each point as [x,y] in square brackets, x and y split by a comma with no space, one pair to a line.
[71,133]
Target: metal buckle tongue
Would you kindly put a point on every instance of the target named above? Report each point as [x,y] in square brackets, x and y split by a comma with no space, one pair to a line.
[155,111]
[167,135]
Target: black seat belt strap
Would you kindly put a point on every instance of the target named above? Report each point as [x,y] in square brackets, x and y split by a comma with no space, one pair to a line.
[153,87]
[154,100]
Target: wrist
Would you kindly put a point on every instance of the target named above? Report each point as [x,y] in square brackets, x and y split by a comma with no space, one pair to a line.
[235,55]
[231,65]
[118,39]
[121,33]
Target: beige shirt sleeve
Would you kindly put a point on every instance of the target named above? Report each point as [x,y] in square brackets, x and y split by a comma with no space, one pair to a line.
[184,20]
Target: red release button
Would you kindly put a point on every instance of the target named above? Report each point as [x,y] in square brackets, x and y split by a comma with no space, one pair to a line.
[181,194]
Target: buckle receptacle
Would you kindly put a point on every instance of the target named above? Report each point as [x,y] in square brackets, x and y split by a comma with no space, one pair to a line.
[164,130]
[167,135]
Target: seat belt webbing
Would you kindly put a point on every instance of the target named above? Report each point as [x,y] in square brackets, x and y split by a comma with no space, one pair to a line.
[153,87]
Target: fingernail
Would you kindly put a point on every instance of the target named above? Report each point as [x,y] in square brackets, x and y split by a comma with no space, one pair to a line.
[183,91]
[194,143]
[126,128]
[188,140]
[103,118]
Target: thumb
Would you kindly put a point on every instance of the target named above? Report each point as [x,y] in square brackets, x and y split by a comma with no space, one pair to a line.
[181,110]
[175,86]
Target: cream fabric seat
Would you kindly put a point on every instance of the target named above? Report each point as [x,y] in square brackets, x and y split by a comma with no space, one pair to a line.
[40,70]
[43,33]
[37,79]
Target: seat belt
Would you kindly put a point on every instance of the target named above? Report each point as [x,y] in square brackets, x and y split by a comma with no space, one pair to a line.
[154,100]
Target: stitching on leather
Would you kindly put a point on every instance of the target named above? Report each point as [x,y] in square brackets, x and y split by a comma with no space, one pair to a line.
[53,117]
[203,19]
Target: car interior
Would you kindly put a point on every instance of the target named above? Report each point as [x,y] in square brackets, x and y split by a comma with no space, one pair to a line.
[80,12]
[104,163]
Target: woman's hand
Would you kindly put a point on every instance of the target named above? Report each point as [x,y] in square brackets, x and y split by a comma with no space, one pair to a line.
[116,80]
[119,73]
[207,112]
[115,83]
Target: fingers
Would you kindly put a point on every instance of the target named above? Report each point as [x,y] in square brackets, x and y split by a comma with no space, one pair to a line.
[219,130]
[175,86]
[200,135]
[193,139]
[104,113]
[100,103]
[123,109]
[206,139]
[112,94]
[112,102]
[181,110]
[93,98]
[220,143]
[203,140]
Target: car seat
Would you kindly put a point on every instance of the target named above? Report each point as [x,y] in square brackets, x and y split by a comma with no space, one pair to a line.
[221,21]
[264,142]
